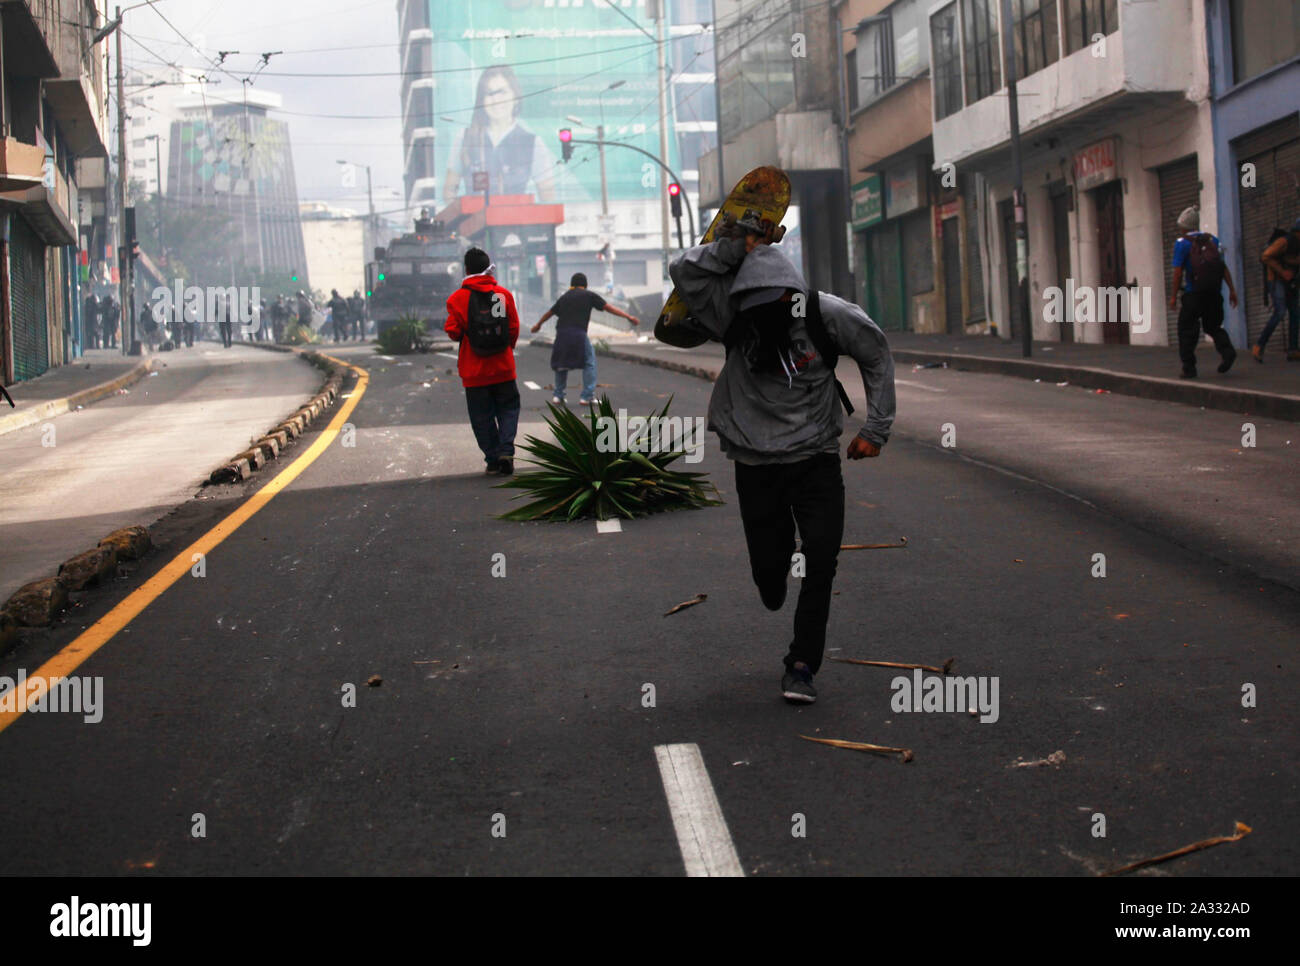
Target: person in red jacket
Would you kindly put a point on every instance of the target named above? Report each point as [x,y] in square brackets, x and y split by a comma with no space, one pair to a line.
[488,371]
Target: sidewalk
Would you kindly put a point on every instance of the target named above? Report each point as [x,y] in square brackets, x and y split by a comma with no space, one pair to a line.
[98,374]
[1151,372]
[130,459]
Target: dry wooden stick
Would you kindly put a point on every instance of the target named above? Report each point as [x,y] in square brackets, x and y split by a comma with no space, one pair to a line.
[874,546]
[947,665]
[1242,831]
[697,599]
[861,746]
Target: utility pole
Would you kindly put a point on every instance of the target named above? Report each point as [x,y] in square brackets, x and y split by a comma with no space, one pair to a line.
[370,196]
[1021,294]
[660,19]
[125,295]
[717,111]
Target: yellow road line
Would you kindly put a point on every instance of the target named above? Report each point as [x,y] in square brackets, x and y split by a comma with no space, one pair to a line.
[102,631]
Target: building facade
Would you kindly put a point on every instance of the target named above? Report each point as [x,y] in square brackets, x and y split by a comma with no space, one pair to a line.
[335,245]
[1254,55]
[780,103]
[234,158]
[1115,121]
[54,128]
[553,66]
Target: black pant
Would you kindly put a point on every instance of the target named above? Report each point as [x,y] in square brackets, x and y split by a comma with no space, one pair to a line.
[1201,310]
[773,499]
[226,331]
[494,417]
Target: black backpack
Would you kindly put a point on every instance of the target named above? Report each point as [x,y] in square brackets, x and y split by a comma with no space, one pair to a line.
[1205,263]
[488,332]
[821,340]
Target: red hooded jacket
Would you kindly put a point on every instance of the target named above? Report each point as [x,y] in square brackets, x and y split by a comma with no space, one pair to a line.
[477,370]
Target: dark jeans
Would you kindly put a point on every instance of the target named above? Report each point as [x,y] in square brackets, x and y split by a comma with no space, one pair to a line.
[494,415]
[1201,310]
[1285,302]
[227,329]
[774,498]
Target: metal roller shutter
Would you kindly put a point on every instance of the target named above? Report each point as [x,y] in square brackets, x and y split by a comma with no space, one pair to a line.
[27,298]
[1179,188]
[1273,202]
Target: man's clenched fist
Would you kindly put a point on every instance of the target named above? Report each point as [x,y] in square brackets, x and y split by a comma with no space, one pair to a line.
[860,448]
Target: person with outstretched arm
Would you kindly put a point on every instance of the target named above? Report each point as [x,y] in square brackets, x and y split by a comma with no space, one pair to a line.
[776,408]
[573,348]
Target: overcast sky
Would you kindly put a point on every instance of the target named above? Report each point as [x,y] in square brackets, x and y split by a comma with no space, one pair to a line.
[329,37]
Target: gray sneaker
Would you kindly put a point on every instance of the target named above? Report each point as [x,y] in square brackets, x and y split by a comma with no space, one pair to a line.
[797,686]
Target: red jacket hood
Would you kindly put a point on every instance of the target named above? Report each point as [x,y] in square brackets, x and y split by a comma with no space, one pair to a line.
[480,283]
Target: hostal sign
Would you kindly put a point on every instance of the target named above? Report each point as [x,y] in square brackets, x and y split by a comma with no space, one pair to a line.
[1096,164]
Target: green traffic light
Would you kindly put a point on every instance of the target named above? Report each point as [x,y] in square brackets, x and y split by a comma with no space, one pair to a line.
[381,276]
[368,294]
[293,278]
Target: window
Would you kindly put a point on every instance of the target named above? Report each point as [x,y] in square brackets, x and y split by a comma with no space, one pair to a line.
[1038,41]
[1086,18]
[1269,34]
[875,50]
[946,67]
[980,46]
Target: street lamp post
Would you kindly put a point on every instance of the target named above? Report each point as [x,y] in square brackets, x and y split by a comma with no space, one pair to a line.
[370,195]
[126,293]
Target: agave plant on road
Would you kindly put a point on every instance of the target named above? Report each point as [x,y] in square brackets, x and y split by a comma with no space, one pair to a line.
[581,475]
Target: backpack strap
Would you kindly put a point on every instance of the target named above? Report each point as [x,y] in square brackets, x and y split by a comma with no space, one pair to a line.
[825,347]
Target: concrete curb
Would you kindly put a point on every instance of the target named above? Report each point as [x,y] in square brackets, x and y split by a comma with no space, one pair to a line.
[37,603]
[57,407]
[700,372]
[1185,392]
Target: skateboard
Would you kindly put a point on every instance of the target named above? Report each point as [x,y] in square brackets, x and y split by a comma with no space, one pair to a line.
[757,203]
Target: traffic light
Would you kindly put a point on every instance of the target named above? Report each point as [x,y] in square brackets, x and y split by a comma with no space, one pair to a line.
[293,278]
[566,142]
[381,276]
[675,199]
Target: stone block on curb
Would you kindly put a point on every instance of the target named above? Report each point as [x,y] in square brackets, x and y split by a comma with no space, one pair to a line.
[255,457]
[232,472]
[290,428]
[8,631]
[38,603]
[280,436]
[130,543]
[92,567]
[269,446]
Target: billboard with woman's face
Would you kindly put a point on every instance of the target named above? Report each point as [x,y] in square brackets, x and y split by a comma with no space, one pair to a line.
[509,75]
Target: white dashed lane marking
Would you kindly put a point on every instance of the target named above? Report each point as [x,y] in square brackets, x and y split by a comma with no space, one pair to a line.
[531,385]
[702,834]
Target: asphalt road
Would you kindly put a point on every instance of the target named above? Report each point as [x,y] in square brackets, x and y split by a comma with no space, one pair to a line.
[522,696]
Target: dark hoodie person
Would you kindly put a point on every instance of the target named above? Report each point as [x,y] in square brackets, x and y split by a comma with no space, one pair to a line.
[777,413]
[489,379]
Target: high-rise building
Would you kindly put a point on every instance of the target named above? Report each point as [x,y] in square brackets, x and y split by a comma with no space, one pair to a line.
[232,156]
[487,88]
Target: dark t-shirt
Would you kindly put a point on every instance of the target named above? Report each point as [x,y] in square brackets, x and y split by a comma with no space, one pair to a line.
[572,310]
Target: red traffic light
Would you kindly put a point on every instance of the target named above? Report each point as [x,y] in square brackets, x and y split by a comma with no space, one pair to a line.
[566,134]
[674,189]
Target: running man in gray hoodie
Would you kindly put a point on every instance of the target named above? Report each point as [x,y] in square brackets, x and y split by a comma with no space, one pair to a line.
[776,410]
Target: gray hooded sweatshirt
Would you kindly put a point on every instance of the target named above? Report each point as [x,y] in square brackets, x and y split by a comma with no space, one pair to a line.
[776,417]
